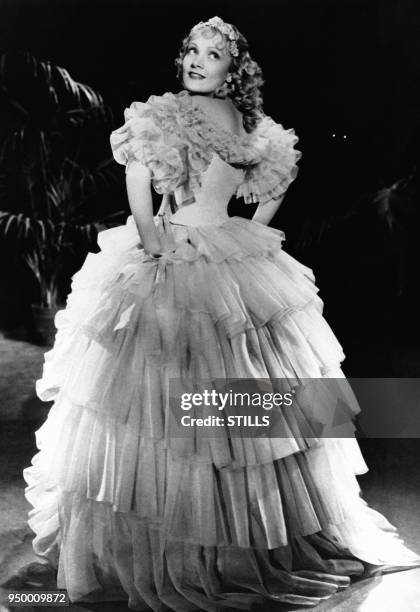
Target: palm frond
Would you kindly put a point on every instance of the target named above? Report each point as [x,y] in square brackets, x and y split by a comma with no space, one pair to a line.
[32,261]
[43,182]
[41,225]
[9,224]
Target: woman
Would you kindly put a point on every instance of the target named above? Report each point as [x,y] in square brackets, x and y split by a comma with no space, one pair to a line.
[124,506]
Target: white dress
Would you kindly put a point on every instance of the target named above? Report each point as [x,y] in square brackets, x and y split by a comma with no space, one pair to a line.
[124,509]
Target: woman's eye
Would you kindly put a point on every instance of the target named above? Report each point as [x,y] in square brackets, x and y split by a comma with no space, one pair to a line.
[191,49]
[214,54]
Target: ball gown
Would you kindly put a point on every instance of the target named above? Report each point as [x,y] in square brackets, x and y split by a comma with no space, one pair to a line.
[122,509]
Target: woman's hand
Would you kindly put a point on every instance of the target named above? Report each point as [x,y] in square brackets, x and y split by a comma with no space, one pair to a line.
[157,254]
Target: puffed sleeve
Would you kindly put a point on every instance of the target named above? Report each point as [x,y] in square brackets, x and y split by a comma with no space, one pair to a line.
[150,135]
[276,167]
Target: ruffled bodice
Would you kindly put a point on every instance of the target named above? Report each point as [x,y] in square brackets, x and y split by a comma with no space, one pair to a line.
[174,137]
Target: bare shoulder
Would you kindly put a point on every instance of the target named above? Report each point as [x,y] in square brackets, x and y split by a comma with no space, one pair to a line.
[223,112]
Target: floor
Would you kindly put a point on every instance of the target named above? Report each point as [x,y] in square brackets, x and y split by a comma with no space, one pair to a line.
[394,489]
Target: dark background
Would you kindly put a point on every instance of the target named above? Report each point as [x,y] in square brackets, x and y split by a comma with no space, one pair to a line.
[344,74]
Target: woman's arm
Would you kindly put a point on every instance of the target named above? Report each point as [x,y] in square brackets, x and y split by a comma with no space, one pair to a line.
[141,205]
[265,212]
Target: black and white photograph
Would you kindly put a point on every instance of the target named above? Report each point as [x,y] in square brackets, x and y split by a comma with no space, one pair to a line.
[209,305]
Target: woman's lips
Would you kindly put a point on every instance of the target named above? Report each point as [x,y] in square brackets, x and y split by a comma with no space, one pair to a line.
[195,75]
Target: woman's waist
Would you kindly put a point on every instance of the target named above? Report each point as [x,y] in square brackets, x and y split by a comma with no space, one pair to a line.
[201,213]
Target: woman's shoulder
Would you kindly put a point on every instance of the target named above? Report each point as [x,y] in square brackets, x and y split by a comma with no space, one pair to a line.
[222,112]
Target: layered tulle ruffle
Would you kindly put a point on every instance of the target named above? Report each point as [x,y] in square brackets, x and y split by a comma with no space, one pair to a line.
[216,306]
[175,138]
[184,522]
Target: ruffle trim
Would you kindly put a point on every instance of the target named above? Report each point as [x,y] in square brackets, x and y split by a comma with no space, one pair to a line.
[261,507]
[216,308]
[153,135]
[277,167]
[258,506]
[232,241]
[120,556]
[175,139]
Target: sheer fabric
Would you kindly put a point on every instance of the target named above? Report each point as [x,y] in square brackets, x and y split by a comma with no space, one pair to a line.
[124,509]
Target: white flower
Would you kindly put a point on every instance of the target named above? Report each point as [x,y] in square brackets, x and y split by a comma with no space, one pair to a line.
[224,28]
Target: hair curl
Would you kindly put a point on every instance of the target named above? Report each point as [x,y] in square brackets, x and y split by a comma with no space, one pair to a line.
[244,89]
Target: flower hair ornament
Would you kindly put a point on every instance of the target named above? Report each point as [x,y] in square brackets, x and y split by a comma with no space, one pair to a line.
[224,28]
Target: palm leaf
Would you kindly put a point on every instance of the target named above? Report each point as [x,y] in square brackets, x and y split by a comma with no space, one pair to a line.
[42,181]
[41,225]
[10,221]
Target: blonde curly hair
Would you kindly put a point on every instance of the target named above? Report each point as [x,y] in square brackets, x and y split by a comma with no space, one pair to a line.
[244,88]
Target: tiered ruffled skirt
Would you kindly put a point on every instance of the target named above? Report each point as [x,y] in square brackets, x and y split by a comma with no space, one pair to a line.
[125,510]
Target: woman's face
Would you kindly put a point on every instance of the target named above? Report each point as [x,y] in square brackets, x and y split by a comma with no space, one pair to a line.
[206,62]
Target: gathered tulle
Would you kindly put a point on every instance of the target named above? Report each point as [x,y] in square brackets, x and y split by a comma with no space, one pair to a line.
[118,555]
[126,509]
[175,139]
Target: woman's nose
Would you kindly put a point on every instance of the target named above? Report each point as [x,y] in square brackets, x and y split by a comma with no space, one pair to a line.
[197,61]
